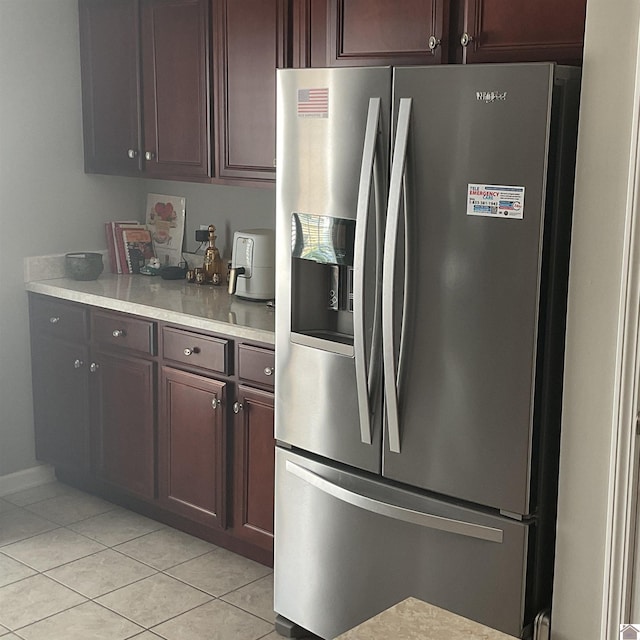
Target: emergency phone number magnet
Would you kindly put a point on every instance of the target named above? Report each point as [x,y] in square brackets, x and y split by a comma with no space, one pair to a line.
[495,201]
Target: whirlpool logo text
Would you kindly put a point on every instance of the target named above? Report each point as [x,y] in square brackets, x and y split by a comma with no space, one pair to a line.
[491,96]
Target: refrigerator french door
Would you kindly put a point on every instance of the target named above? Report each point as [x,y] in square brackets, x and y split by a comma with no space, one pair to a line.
[423,220]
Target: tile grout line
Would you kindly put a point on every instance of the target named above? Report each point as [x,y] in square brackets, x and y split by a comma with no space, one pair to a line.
[248,612]
[157,624]
[210,597]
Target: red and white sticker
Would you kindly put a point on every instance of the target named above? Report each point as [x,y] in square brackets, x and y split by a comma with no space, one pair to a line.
[495,201]
[313,103]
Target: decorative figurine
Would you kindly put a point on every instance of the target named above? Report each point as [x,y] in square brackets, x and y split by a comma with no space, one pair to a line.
[212,265]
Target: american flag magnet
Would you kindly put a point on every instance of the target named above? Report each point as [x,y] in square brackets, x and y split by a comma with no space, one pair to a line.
[313,103]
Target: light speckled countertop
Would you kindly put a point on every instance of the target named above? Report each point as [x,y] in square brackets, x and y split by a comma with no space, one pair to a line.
[413,619]
[176,301]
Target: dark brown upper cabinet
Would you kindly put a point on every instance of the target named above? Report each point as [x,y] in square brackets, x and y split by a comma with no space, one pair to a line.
[250,37]
[175,81]
[145,81]
[507,31]
[378,32]
[422,32]
[111,106]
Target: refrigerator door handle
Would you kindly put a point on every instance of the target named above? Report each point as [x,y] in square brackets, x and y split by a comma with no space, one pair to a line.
[430,521]
[371,166]
[392,376]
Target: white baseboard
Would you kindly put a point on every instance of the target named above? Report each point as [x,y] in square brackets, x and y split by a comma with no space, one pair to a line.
[26,479]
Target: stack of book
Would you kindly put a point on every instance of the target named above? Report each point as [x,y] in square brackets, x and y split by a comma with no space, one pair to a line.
[130,245]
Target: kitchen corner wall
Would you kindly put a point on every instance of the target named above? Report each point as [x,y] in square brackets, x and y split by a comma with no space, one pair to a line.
[229,208]
[49,205]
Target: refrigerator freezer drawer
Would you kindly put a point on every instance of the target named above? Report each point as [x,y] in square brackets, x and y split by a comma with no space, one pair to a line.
[348,547]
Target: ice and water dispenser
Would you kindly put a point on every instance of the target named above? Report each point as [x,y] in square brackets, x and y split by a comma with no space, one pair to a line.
[322,282]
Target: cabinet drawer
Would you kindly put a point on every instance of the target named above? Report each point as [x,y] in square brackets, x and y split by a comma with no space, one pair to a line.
[195,350]
[57,318]
[115,330]
[256,364]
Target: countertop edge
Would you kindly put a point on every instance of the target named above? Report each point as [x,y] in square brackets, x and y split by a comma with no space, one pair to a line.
[58,290]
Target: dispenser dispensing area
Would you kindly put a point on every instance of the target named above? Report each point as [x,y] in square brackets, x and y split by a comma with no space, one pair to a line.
[322,282]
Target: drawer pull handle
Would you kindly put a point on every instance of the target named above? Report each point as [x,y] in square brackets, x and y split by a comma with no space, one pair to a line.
[93,367]
[215,403]
[237,407]
[78,363]
[118,333]
[268,371]
[54,319]
[188,351]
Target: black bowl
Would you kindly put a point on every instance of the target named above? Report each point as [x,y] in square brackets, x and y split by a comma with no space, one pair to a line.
[83,265]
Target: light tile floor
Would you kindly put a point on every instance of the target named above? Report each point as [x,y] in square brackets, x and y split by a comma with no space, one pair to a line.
[75,567]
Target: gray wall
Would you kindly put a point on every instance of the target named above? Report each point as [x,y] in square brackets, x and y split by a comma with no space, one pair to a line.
[229,208]
[49,205]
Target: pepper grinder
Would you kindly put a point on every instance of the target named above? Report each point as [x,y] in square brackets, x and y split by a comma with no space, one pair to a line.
[212,265]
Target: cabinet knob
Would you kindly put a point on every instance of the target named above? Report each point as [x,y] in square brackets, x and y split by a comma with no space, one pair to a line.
[190,350]
[268,371]
[433,43]
[77,363]
[93,367]
[149,155]
[215,403]
[465,39]
[54,319]
[118,333]
[237,407]
[132,153]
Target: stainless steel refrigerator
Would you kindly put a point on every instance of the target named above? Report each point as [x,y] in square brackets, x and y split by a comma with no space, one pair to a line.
[423,226]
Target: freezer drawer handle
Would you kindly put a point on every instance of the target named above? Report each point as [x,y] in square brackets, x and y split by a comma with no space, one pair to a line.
[460,527]
[366,381]
[393,376]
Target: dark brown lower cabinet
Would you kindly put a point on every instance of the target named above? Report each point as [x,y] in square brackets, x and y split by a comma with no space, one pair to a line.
[141,413]
[191,446]
[61,402]
[60,375]
[123,394]
[254,451]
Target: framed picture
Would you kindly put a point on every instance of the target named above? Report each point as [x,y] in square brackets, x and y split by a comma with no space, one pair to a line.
[165,220]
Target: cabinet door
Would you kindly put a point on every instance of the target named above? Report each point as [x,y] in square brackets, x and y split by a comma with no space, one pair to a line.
[507,31]
[250,46]
[61,402]
[308,33]
[254,455]
[175,64]
[110,97]
[378,32]
[124,406]
[191,446]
